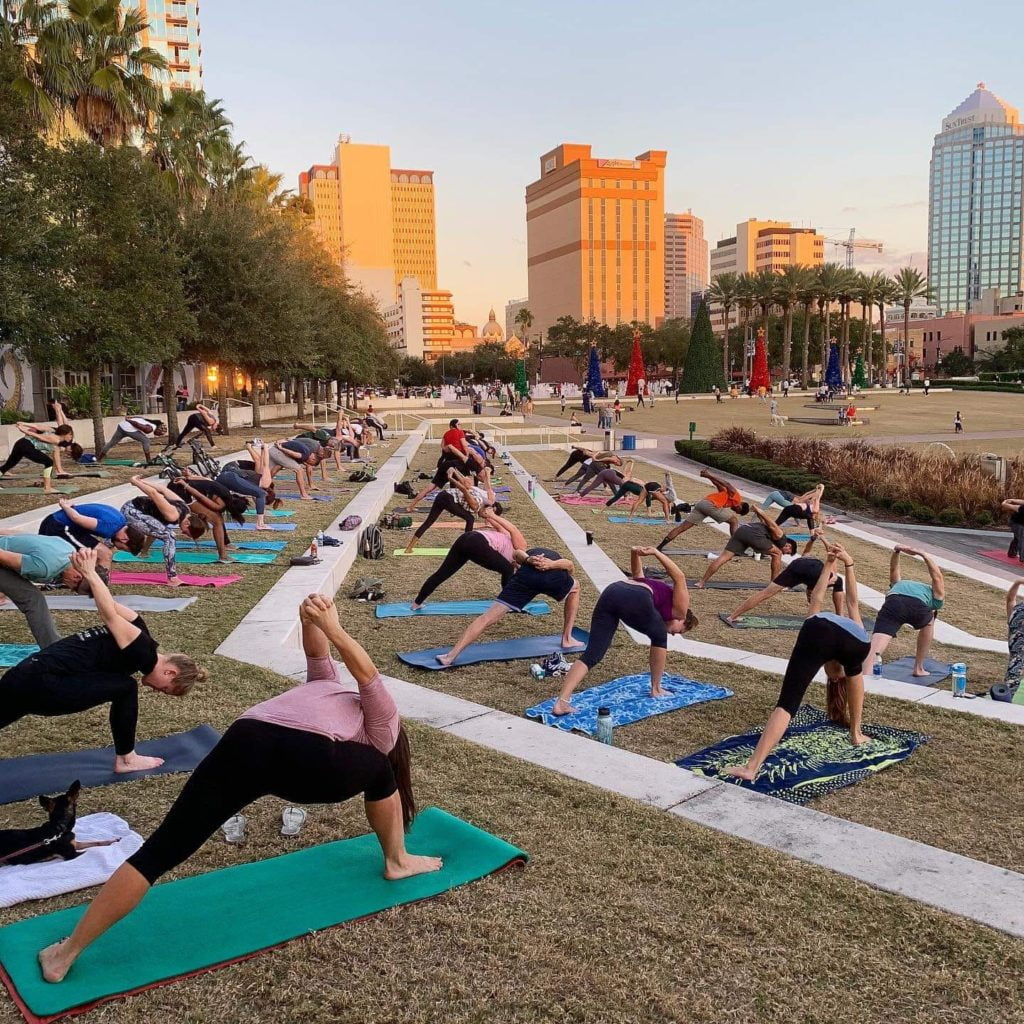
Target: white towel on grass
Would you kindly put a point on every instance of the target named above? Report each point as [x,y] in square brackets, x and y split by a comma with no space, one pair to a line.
[21,882]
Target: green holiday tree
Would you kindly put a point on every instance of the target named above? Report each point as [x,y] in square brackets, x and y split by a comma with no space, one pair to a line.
[703,368]
[860,377]
[521,386]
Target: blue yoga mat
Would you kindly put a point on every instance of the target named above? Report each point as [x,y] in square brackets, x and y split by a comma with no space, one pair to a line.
[629,700]
[244,545]
[403,609]
[814,759]
[497,650]
[638,521]
[901,670]
[798,536]
[12,654]
[22,778]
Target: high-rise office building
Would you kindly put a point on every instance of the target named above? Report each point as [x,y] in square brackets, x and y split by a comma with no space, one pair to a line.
[377,221]
[512,309]
[686,263]
[595,230]
[975,209]
[174,33]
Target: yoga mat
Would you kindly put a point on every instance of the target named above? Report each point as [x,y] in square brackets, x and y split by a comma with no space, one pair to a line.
[582,499]
[629,700]
[66,489]
[698,552]
[158,579]
[440,526]
[755,621]
[404,610]
[798,536]
[430,552]
[206,921]
[137,603]
[272,513]
[121,462]
[497,650]
[245,545]
[12,654]
[199,557]
[279,527]
[639,521]
[22,778]
[814,759]
[316,497]
[714,584]
[901,670]
[1002,556]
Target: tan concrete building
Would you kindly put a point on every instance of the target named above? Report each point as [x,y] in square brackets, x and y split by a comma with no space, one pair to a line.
[173,31]
[422,324]
[595,233]
[512,309]
[378,222]
[686,263]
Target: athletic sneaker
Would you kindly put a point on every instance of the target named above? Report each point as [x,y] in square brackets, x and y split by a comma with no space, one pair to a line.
[556,665]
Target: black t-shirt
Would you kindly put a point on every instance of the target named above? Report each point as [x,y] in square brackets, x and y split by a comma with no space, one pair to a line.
[95,650]
[1018,517]
[207,488]
[147,506]
[804,570]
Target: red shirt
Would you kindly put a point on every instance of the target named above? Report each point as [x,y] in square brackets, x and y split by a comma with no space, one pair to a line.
[454,437]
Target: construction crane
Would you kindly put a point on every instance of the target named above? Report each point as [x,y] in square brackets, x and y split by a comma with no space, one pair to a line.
[849,245]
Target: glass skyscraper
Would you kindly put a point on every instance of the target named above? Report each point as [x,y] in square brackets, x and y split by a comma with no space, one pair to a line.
[975,215]
[174,34]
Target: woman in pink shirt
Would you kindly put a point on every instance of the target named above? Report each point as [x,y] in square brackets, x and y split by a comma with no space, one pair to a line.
[316,743]
[491,548]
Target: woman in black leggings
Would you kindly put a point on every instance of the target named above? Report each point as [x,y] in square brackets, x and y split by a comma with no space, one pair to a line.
[826,640]
[806,507]
[316,743]
[649,606]
[492,548]
[202,421]
[576,457]
[461,499]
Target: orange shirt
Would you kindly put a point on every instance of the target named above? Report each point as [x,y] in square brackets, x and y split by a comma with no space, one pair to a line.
[724,499]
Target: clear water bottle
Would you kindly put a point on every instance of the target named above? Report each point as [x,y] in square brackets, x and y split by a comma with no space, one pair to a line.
[876,669]
[603,732]
[537,671]
[313,549]
[959,679]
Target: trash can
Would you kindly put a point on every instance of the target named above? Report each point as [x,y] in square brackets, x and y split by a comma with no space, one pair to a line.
[609,441]
[629,442]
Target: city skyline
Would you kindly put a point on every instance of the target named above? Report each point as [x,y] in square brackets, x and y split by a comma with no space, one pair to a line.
[852,151]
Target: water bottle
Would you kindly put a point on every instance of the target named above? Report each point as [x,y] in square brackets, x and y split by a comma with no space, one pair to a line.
[603,732]
[959,679]
[313,549]
[320,538]
[537,671]
[876,669]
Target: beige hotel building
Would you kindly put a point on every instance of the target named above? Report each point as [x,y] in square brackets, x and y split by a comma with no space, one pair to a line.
[595,232]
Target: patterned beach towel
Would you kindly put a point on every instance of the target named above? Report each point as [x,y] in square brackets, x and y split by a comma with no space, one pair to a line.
[814,759]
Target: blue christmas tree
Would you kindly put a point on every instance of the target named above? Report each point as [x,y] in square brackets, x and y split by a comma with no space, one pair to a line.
[833,376]
[594,381]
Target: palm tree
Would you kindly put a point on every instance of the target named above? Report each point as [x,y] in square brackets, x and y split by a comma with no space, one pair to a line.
[789,286]
[888,292]
[723,293]
[189,136]
[746,299]
[765,282]
[848,284]
[524,319]
[912,284]
[867,294]
[87,60]
[827,283]
[808,297]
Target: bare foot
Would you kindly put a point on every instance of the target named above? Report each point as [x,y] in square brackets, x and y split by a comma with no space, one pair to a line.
[410,864]
[445,660]
[54,961]
[741,772]
[731,619]
[174,581]
[659,691]
[572,644]
[858,738]
[136,763]
[699,585]
[306,497]
[563,707]
[920,673]
[264,526]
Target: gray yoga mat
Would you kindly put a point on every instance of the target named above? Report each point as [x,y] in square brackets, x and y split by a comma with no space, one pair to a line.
[22,778]
[730,584]
[901,670]
[137,603]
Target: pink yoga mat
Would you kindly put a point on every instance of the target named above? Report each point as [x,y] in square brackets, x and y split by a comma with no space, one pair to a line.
[1001,556]
[158,579]
[579,499]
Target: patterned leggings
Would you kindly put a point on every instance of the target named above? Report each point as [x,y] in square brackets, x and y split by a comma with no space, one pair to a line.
[153,527]
[1015,666]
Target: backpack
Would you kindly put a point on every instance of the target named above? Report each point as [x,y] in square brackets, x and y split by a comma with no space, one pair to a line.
[350,523]
[406,488]
[371,543]
[363,475]
[396,521]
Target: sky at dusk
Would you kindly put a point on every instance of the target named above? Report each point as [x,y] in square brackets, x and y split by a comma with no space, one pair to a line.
[822,114]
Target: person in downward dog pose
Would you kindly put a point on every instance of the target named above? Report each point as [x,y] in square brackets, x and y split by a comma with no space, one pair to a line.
[836,643]
[909,603]
[590,467]
[158,513]
[724,505]
[652,607]
[97,666]
[203,421]
[606,476]
[764,537]
[318,742]
[492,548]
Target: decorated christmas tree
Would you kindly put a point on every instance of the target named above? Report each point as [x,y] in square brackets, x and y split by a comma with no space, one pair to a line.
[833,376]
[594,381]
[703,369]
[637,372]
[860,377]
[759,375]
[522,387]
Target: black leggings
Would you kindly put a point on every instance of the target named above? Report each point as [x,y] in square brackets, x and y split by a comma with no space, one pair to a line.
[575,458]
[255,759]
[31,689]
[470,547]
[797,512]
[445,502]
[819,640]
[630,604]
[23,448]
[197,423]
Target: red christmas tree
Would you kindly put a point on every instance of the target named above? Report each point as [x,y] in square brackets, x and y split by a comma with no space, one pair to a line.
[759,376]
[637,372]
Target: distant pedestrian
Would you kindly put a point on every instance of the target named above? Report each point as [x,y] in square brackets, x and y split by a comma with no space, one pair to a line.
[561,401]
[958,423]
[718,395]
[617,409]
[927,385]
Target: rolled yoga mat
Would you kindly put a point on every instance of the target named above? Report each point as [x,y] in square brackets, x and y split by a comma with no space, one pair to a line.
[158,579]
[497,650]
[22,778]
[207,921]
[404,610]
[137,603]
[901,670]
[199,557]
[12,654]
[629,700]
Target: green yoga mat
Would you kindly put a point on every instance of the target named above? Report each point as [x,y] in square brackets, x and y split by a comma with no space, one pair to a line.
[430,552]
[64,489]
[202,922]
[198,557]
[121,462]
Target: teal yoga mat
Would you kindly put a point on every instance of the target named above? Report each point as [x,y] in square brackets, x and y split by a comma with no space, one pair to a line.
[244,545]
[199,557]
[639,521]
[12,654]
[206,921]
[403,610]
[274,513]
